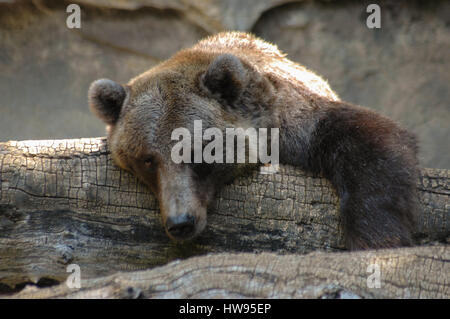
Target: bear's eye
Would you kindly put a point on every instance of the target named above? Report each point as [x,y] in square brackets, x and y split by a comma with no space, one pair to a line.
[149,163]
[202,170]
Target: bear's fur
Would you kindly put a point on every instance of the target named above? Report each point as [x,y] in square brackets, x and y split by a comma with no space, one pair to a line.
[237,80]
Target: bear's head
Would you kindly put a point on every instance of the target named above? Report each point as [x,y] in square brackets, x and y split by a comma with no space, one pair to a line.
[221,90]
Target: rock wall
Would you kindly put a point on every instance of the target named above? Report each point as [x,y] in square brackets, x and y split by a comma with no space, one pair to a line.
[401,70]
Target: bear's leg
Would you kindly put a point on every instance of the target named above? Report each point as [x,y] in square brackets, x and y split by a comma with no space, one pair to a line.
[372,163]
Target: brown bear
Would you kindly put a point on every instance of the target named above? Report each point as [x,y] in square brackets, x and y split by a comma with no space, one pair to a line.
[235,80]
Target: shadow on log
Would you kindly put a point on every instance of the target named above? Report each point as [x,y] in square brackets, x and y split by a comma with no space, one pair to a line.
[64,202]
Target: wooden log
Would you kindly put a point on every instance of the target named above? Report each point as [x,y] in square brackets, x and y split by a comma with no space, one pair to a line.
[64,201]
[418,272]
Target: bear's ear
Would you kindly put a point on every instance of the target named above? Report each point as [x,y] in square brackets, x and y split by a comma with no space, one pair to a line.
[105,99]
[226,76]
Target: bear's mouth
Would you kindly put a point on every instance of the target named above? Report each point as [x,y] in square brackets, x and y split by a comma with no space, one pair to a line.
[182,227]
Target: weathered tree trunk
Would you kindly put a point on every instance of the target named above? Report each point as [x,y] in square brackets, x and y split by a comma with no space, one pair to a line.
[419,272]
[63,202]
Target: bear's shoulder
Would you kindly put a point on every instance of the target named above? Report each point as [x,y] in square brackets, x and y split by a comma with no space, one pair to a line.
[267,59]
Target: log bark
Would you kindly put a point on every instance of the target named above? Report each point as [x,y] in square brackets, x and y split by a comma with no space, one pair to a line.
[65,202]
[419,272]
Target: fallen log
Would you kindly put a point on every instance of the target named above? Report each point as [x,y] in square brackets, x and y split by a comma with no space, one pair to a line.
[418,272]
[64,202]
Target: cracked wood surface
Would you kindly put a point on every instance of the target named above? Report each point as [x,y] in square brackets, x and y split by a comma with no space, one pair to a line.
[418,272]
[63,202]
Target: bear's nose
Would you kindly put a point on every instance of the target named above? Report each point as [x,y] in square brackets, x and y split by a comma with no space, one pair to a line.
[180,226]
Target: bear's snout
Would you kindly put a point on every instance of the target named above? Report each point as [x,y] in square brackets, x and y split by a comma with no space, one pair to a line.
[181,226]
[182,207]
